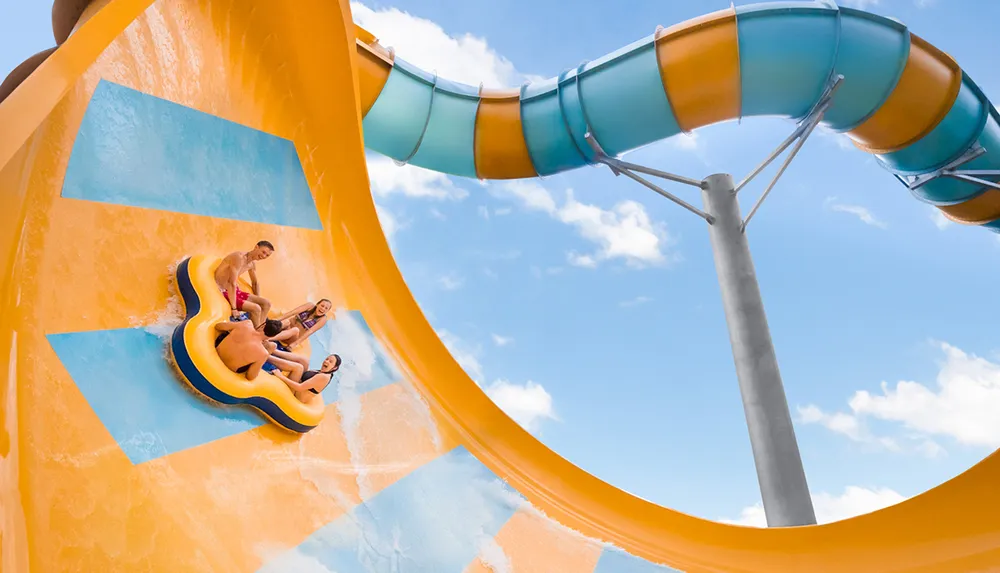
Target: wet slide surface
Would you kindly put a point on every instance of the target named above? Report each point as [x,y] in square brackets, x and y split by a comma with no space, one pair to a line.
[166,129]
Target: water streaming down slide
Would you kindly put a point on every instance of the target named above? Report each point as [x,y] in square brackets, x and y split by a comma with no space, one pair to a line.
[168,128]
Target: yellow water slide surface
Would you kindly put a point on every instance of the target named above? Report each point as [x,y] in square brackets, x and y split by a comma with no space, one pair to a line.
[166,129]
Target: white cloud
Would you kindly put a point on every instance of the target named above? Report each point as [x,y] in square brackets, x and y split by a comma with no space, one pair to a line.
[467,59]
[843,141]
[484,212]
[940,221]
[539,272]
[502,211]
[962,406]
[437,214]
[451,281]
[578,260]
[501,340]
[390,225]
[861,213]
[529,193]
[466,356]
[528,404]
[639,300]
[854,501]
[387,178]
[624,232]
[687,141]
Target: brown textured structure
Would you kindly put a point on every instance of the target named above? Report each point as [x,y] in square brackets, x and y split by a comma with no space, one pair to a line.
[65,15]
[21,72]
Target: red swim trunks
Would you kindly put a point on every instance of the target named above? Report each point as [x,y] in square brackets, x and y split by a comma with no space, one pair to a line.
[240,297]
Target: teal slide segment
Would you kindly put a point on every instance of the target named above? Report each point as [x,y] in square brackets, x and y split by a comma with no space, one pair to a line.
[547,128]
[948,190]
[871,55]
[625,100]
[787,53]
[396,121]
[948,141]
[448,144]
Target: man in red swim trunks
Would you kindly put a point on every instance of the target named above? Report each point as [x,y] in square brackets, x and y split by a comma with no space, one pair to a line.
[227,277]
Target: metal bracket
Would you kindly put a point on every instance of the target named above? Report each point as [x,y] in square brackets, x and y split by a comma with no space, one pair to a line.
[952,170]
[619,167]
[799,136]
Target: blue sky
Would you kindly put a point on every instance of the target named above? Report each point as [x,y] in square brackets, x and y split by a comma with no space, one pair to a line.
[593,315]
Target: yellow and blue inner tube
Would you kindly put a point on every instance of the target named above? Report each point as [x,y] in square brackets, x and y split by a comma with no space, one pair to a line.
[193,349]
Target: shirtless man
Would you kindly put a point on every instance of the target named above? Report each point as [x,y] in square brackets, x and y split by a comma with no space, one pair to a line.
[227,277]
[245,349]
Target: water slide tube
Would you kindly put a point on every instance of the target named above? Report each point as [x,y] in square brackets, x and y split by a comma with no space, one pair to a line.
[902,100]
[162,128]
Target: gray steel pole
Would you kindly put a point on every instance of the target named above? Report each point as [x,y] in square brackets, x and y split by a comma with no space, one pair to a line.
[780,473]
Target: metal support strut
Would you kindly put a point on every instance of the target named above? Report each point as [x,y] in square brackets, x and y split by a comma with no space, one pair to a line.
[799,136]
[952,170]
[780,473]
[619,167]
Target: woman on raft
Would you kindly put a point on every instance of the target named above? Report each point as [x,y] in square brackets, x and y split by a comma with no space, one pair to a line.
[300,323]
[306,384]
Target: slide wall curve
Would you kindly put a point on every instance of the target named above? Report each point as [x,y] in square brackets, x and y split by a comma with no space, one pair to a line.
[165,129]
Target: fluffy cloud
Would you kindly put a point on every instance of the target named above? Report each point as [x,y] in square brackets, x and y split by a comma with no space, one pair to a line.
[528,404]
[861,213]
[962,406]
[829,508]
[624,232]
[466,58]
[390,224]
[842,141]
[501,340]
[387,178]
[637,301]
[466,356]
[451,281]
[940,221]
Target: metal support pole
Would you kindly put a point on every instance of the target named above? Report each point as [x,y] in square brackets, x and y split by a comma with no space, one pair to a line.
[780,474]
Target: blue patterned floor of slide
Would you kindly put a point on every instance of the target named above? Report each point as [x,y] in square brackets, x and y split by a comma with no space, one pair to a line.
[617,561]
[436,519]
[147,409]
[142,151]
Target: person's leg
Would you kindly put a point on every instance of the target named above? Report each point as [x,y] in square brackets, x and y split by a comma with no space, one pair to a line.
[292,357]
[287,335]
[253,311]
[262,304]
[293,368]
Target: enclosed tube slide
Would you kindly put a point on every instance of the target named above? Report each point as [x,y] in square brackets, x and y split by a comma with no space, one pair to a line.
[902,100]
[163,128]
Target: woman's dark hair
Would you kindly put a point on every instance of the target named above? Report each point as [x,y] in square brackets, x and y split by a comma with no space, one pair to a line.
[336,366]
[312,311]
[272,327]
[265,244]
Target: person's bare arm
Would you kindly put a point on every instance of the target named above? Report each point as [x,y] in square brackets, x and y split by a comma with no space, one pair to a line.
[256,367]
[226,325]
[319,324]
[295,311]
[314,382]
[253,279]
[232,276]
